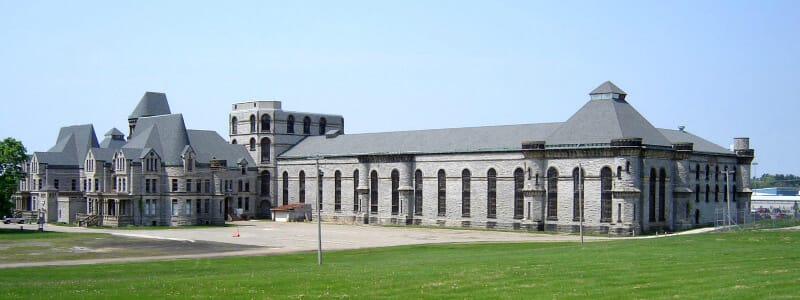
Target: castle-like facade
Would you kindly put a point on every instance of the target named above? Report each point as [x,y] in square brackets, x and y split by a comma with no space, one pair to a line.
[605,167]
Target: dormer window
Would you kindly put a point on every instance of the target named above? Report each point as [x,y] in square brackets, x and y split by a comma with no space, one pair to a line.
[608,96]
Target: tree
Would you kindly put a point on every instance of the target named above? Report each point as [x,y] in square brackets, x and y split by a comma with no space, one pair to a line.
[12,156]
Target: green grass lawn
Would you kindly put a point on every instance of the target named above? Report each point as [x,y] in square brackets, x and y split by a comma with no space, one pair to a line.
[741,265]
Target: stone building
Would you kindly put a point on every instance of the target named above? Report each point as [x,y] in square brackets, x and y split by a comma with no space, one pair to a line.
[605,165]
[163,174]
[628,174]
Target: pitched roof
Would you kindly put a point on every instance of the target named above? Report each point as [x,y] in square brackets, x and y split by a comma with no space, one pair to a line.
[114,131]
[72,144]
[488,138]
[165,133]
[209,145]
[606,88]
[700,144]
[151,104]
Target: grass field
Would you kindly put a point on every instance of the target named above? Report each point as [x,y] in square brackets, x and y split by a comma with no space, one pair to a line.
[748,264]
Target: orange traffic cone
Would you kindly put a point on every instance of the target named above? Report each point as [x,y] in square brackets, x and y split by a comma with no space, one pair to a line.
[236,232]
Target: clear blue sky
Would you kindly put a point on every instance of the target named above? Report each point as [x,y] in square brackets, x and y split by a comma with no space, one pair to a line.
[723,69]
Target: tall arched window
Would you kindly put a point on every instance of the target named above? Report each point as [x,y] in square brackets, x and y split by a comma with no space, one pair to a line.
[662,195]
[418,193]
[355,191]
[285,188]
[552,194]
[578,178]
[491,194]
[441,179]
[708,171]
[234,124]
[716,173]
[653,179]
[716,193]
[265,149]
[252,144]
[265,183]
[306,125]
[373,192]
[697,172]
[265,122]
[302,183]
[696,193]
[466,177]
[252,123]
[605,194]
[323,123]
[337,190]
[290,124]
[708,190]
[519,200]
[395,192]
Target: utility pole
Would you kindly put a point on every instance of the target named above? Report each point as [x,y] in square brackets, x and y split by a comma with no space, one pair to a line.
[319,213]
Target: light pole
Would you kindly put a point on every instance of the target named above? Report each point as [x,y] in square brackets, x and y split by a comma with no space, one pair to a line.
[319,213]
[580,198]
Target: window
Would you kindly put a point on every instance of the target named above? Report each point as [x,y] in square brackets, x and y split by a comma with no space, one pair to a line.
[395,192]
[306,125]
[55,183]
[697,172]
[189,164]
[252,123]
[290,124]
[198,206]
[441,179]
[234,124]
[199,186]
[207,185]
[605,195]
[155,185]
[174,185]
[246,203]
[696,193]
[355,190]
[322,124]
[266,180]
[662,195]
[652,194]
[552,194]
[725,193]
[188,185]
[285,188]
[466,176]
[247,186]
[239,202]
[491,194]
[188,207]
[337,191]
[234,142]
[373,192]
[708,171]
[241,186]
[708,189]
[578,178]
[302,190]
[265,122]
[519,200]
[418,193]
[252,144]
[716,193]
[174,207]
[74,185]
[265,149]
[206,205]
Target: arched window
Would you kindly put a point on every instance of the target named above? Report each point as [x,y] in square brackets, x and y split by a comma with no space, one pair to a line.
[265,122]
[708,190]
[395,192]
[441,179]
[716,193]
[252,123]
[290,124]
[285,188]
[337,191]
[519,200]
[418,193]
[466,177]
[491,194]
[306,125]
[355,191]
[605,194]
[733,193]
[697,172]
[552,194]
[302,183]
[662,195]
[708,171]
[323,123]
[696,193]
[252,144]
[619,172]
[234,124]
[653,180]
[265,149]
[265,183]
[578,178]
[373,192]
[234,142]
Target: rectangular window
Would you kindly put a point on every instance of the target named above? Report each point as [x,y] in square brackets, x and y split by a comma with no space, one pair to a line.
[207,204]
[174,185]
[174,207]
[96,184]
[208,186]
[188,185]
[74,185]
[55,183]
[147,207]
[247,203]
[188,207]
[239,203]
[198,206]
[147,185]
[155,185]
[199,187]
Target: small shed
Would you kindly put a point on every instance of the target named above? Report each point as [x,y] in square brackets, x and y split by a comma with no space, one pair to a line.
[296,212]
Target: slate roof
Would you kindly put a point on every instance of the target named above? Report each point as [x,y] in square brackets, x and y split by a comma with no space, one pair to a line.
[71,146]
[114,139]
[454,140]
[151,104]
[606,88]
[165,133]
[700,144]
[209,145]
